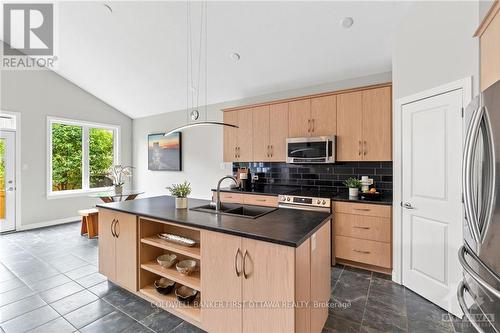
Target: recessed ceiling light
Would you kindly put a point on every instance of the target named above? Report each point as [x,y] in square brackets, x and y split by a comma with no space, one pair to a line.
[234,57]
[347,22]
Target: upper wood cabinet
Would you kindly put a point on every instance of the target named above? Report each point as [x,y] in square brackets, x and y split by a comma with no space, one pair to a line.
[349,135]
[312,117]
[364,126]
[324,115]
[270,130]
[360,118]
[278,126]
[238,142]
[377,124]
[299,118]
[489,39]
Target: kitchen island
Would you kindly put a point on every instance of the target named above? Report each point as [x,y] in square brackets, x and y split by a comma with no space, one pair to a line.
[269,274]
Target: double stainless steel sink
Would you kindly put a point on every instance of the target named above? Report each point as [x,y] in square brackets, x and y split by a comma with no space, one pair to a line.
[247,211]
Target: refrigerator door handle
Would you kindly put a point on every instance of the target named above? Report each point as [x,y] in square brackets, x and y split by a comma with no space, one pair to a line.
[490,179]
[467,175]
[461,258]
[462,287]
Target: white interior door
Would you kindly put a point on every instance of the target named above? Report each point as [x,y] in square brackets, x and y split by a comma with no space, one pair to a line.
[7,181]
[432,197]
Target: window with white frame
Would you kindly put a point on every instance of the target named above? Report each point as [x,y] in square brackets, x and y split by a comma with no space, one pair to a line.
[80,155]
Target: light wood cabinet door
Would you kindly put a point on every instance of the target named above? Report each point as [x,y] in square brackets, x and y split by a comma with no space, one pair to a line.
[230,136]
[126,250]
[377,124]
[261,143]
[349,126]
[278,125]
[324,115]
[107,266]
[270,277]
[320,276]
[245,132]
[299,117]
[220,281]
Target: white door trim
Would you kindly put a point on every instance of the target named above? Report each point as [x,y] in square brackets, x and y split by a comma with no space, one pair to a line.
[18,164]
[397,250]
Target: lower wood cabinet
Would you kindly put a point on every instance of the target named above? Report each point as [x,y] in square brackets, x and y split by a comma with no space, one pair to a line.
[118,247]
[251,286]
[363,235]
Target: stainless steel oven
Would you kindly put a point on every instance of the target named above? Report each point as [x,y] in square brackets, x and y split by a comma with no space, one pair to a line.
[320,149]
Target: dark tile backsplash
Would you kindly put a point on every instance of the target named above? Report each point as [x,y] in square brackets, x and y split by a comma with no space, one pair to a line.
[323,176]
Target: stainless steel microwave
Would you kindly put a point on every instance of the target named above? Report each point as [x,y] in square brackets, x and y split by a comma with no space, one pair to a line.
[320,149]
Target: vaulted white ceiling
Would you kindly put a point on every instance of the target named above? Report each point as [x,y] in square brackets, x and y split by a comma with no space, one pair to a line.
[134,58]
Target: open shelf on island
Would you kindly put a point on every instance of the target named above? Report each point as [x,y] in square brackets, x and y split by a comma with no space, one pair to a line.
[193,252]
[191,281]
[170,303]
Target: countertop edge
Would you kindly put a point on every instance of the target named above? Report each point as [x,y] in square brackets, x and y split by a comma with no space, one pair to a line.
[230,232]
[387,202]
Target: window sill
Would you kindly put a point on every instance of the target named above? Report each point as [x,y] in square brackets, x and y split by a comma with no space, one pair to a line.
[76,193]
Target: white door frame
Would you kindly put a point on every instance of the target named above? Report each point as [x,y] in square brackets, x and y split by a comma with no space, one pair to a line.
[17,115]
[397,249]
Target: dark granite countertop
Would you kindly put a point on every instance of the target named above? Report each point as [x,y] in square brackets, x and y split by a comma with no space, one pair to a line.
[337,196]
[345,198]
[283,226]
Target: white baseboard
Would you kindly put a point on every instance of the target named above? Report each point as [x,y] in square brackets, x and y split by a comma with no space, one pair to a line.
[48,223]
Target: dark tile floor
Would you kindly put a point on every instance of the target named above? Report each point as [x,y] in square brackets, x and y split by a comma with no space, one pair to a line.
[49,283]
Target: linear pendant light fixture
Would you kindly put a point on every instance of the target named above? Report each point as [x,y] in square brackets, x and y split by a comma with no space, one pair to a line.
[191,89]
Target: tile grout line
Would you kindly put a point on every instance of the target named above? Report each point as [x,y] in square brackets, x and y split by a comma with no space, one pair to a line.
[366,302]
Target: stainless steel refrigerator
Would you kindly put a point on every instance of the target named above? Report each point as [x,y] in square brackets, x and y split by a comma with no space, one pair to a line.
[479,291]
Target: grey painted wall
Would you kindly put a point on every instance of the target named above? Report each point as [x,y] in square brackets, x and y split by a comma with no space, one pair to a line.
[434,45]
[36,95]
[203,146]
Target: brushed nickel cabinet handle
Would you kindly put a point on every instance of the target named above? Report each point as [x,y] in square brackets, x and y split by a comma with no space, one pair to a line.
[244,265]
[362,209]
[272,150]
[117,223]
[260,200]
[235,152]
[364,252]
[238,253]
[365,228]
[308,125]
[312,121]
[359,148]
[365,151]
[111,227]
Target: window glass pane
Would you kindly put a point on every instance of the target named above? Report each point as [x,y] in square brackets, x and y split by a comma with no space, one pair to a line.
[66,157]
[100,156]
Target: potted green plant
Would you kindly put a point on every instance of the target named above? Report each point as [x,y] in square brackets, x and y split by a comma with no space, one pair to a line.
[118,174]
[180,192]
[353,184]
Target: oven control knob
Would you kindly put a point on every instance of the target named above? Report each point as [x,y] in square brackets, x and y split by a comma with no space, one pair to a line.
[324,202]
[319,202]
[282,198]
[287,198]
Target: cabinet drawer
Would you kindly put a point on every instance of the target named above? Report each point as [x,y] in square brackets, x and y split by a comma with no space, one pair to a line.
[260,200]
[363,209]
[365,227]
[364,251]
[230,197]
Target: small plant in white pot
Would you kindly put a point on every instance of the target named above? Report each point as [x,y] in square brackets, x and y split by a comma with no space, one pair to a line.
[353,184]
[180,192]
